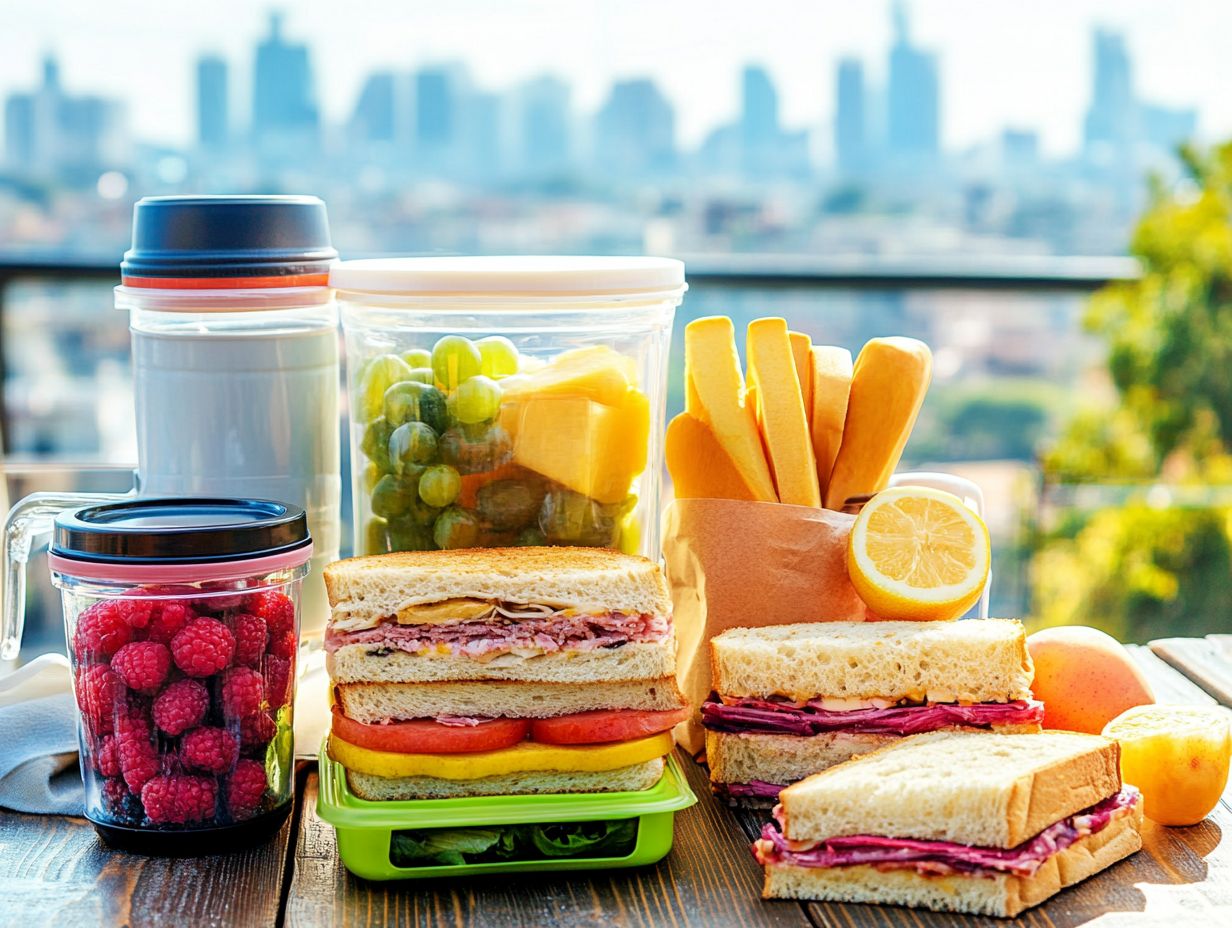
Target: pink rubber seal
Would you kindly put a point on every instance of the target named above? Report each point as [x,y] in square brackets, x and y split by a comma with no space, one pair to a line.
[180,573]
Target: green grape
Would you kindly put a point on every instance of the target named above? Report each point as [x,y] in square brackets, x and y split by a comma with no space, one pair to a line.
[372,474]
[455,528]
[412,445]
[476,400]
[405,534]
[497,356]
[570,518]
[411,401]
[377,376]
[421,514]
[376,541]
[439,485]
[375,444]
[423,375]
[475,450]
[508,504]
[393,497]
[531,537]
[454,359]
[417,357]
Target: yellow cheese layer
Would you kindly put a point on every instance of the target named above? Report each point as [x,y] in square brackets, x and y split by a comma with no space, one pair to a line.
[523,757]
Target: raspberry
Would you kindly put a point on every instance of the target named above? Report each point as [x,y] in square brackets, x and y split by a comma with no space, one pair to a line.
[277,681]
[250,637]
[138,759]
[245,788]
[101,631]
[203,647]
[135,612]
[181,706]
[119,803]
[243,690]
[257,731]
[277,610]
[177,799]
[99,689]
[107,757]
[212,750]
[142,665]
[284,645]
[168,619]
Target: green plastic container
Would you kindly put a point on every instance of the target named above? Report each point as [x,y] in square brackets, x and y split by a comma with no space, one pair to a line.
[365,829]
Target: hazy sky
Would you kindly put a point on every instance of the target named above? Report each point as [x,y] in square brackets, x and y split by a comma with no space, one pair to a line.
[1003,62]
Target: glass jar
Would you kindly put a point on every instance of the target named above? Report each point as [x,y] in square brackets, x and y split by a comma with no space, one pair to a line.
[507,400]
[182,620]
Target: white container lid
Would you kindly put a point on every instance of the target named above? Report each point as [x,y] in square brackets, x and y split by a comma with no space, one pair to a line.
[513,275]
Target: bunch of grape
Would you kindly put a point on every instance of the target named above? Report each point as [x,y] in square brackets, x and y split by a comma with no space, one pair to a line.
[439,471]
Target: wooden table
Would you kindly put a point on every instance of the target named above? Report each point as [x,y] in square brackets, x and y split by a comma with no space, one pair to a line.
[57,873]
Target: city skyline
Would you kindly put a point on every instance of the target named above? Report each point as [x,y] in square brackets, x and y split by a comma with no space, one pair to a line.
[867,33]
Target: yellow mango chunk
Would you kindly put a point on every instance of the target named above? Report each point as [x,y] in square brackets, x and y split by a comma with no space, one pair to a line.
[700,467]
[780,412]
[597,373]
[589,447]
[830,371]
[714,366]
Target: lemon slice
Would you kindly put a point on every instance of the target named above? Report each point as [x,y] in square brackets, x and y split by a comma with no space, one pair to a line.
[917,553]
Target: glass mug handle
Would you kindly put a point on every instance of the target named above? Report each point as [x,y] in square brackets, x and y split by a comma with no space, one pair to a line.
[29,522]
[966,490]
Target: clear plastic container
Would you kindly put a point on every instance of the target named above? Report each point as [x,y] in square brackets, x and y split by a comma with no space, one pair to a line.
[182,619]
[507,401]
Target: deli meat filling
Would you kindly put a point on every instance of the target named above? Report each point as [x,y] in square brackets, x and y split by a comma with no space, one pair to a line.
[558,631]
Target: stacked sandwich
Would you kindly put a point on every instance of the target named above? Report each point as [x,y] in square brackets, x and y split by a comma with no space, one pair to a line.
[793,700]
[500,671]
[1027,816]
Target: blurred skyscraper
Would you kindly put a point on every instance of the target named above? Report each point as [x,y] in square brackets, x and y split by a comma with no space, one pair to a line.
[440,93]
[635,130]
[913,105]
[543,128]
[284,109]
[213,111]
[759,120]
[375,117]
[1110,126]
[851,119]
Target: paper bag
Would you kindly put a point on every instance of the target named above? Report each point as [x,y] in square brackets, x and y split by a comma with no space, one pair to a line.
[734,563]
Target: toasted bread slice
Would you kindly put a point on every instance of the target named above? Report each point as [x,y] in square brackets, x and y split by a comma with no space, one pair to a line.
[976,660]
[379,702]
[363,591]
[977,788]
[635,777]
[364,663]
[1003,894]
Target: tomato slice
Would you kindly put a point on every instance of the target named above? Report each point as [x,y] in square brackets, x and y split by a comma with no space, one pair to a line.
[426,736]
[602,725]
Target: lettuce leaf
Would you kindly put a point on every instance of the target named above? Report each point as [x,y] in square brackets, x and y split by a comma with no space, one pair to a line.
[456,846]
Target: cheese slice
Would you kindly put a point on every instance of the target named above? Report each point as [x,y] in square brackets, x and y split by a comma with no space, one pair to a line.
[801,349]
[888,385]
[710,357]
[523,757]
[830,372]
[463,609]
[699,465]
[780,412]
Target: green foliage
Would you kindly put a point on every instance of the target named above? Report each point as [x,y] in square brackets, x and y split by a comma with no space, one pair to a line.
[985,421]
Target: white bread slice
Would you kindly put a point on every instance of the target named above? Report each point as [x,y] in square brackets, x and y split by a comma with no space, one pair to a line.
[635,777]
[369,589]
[784,759]
[970,787]
[363,663]
[975,660]
[1003,895]
[377,702]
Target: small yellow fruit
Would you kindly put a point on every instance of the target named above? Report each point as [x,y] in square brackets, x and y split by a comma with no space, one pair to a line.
[917,553]
[1177,755]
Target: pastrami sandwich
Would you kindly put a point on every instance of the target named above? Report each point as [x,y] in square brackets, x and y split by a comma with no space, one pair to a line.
[985,824]
[793,700]
[500,671]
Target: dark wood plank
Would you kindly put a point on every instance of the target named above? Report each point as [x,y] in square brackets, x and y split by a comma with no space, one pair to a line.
[1205,661]
[710,878]
[57,872]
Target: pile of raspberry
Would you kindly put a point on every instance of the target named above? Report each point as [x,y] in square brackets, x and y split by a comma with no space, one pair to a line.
[178,702]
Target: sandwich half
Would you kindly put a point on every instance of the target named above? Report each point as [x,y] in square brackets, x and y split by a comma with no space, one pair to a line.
[1028,816]
[500,671]
[793,700]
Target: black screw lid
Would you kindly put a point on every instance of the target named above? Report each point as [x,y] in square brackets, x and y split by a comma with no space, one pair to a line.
[179,530]
[229,237]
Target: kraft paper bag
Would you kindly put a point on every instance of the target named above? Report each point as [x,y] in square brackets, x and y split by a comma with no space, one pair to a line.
[740,564]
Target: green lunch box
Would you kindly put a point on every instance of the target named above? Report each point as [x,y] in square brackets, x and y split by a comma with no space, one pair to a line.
[365,828]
